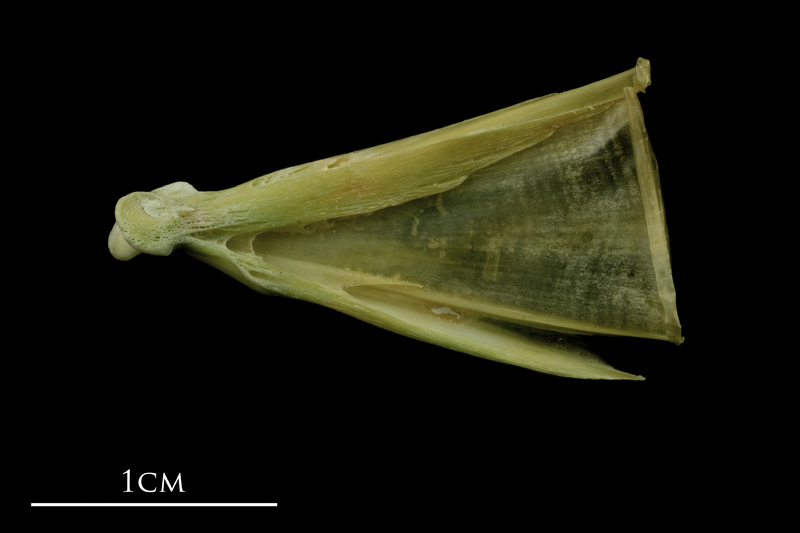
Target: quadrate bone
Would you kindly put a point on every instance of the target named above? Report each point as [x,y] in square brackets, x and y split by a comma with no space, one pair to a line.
[504,236]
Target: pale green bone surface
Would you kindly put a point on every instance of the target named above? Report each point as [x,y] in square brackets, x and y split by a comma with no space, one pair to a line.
[501,236]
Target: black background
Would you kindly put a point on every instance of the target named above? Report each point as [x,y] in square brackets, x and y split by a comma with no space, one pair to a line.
[162,364]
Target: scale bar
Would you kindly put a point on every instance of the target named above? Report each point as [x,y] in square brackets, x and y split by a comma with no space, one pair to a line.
[154,505]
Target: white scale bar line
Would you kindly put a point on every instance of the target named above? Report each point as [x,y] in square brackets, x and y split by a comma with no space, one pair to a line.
[154,505]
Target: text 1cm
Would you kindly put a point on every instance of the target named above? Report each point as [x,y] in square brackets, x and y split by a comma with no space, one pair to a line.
[164,481]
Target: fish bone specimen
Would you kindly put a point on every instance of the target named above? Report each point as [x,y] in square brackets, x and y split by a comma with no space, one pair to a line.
[504,236]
